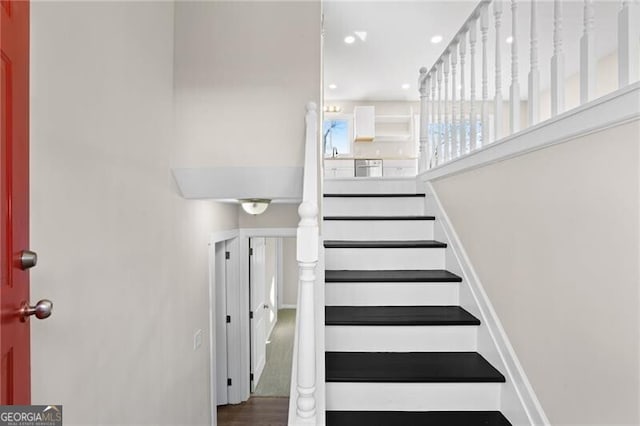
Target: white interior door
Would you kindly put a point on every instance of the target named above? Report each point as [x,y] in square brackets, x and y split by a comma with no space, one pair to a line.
[222,396]
[259,320]
[271,284]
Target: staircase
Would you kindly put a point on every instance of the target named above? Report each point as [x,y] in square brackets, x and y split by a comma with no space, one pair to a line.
[399,348]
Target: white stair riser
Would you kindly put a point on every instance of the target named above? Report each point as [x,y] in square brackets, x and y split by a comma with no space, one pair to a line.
[384,258]
[373,206]
[391,294]
[362,230]
[370,186]
[413,396]
[410,338]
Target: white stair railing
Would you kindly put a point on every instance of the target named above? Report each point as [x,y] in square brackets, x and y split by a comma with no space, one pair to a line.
[445,139]
[307,255]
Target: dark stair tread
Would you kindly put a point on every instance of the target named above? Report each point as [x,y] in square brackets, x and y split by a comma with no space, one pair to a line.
[384,244]
[398,276]
[416,418]
[358,195]
[379,218]
[398,315]
[410,367]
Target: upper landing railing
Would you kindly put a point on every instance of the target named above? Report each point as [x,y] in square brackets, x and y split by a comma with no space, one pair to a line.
[453,124]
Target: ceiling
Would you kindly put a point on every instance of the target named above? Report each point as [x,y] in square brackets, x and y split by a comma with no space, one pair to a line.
[398,43]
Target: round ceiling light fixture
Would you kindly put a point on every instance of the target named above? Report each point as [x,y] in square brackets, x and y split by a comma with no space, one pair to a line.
[436,39]
[406,86]
[255,206]
[333,86]
[509,40]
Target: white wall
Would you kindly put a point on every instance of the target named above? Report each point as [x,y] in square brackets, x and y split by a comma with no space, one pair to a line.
[122,255]
[290,272]
[276,216]
[554,237]
[244,73]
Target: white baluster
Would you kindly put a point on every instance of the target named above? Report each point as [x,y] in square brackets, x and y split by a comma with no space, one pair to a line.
[587,56]
[514,92]
[455,149]
[484,107]
[424,119]
[307,257]
[534,73]
[627,47]
[462,47]
[497,109]
[557,62]
[447,140]
[434,119]
[473,135]
[440,147]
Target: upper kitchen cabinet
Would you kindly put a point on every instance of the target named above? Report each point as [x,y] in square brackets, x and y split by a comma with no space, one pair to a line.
[395,128]
[364,121]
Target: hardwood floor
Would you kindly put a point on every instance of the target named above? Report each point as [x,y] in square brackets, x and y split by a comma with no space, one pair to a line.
[257,411]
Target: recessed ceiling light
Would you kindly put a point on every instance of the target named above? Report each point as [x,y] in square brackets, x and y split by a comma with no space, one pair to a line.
[509,39]
[362,35]
[406,86]
[333,86]
[436,39]
[349,39]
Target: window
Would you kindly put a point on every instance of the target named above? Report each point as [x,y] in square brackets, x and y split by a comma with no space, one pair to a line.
[336,133]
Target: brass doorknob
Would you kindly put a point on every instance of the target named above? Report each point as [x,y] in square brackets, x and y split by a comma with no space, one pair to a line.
[42,310]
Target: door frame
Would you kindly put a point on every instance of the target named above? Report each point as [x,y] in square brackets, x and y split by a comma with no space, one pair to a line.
[239,352]
[217,237]
[245,325]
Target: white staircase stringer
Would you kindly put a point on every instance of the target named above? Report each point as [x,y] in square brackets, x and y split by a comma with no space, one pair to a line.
[518,400]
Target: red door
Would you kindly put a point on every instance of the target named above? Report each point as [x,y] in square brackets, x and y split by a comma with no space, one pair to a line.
[14,201]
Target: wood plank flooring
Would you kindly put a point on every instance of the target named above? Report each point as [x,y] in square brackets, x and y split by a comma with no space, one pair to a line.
[257,411]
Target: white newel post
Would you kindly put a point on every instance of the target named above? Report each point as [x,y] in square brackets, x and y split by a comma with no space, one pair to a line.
[307,257]
[587,56]
[484,107]
[557,62]
[627,50]
[534,74]
[424,120]
[514,92]
[497,108]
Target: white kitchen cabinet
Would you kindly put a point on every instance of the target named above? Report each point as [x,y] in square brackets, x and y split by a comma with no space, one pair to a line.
[399,168]
[394,128]
[335,168]
[364,122]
